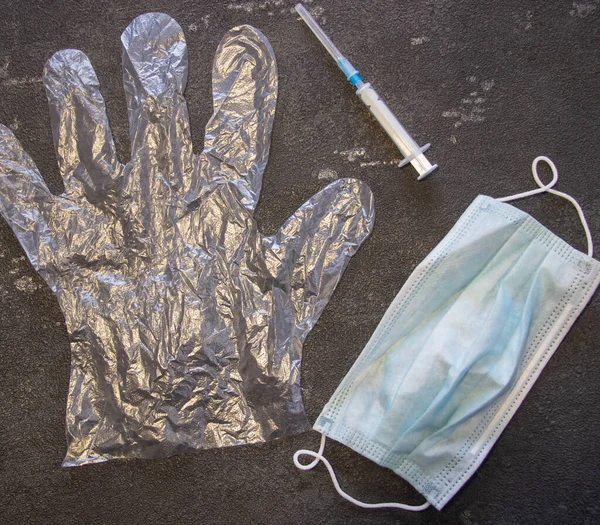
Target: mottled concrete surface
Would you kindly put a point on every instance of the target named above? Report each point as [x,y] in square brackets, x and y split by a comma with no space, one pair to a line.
[490,84]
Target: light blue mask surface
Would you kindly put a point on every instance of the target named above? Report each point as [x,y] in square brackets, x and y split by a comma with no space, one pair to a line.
[460,347]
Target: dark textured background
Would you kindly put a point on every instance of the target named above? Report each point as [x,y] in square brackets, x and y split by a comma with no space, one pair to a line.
[490,84]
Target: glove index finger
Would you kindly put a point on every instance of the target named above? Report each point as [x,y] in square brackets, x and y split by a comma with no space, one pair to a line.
[238,135]
[25,201]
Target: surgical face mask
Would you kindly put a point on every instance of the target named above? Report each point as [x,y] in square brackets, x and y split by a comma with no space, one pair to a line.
[460,347]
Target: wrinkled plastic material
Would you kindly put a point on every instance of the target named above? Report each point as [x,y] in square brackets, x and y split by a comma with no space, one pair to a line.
[186,324]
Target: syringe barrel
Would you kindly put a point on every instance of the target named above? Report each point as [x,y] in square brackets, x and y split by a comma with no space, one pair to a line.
[396,131]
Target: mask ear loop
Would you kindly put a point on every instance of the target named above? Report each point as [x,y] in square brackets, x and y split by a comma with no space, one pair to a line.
[320,457]
[548,188]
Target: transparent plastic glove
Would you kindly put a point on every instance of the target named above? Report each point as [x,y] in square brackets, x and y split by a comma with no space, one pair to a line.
[186,324]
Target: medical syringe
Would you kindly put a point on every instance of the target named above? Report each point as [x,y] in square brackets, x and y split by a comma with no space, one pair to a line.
[411,151]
